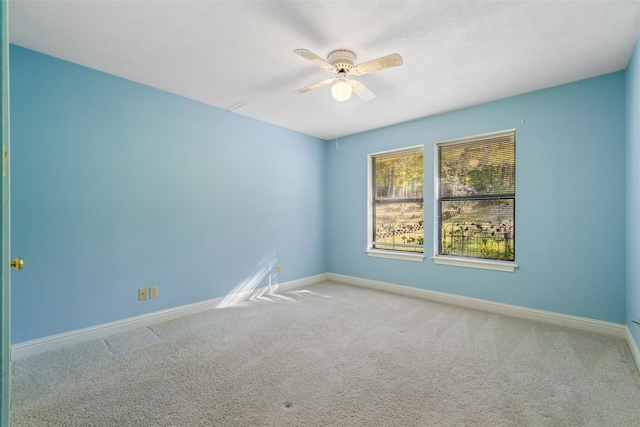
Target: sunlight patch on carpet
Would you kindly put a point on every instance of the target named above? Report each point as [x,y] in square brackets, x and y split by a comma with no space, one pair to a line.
[244,290]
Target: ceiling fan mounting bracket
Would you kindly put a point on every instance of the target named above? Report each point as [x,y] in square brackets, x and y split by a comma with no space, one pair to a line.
[342,60]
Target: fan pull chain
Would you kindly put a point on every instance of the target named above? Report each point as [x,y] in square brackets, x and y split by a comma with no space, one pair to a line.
[337,145]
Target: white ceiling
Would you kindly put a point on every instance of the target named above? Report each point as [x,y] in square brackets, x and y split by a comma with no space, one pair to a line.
[456,53]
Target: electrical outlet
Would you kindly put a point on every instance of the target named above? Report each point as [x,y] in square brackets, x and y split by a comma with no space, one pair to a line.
[142,294]
[277,269]
[153,292]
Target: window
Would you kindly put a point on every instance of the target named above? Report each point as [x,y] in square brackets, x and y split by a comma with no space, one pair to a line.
[396,204]
[475,199]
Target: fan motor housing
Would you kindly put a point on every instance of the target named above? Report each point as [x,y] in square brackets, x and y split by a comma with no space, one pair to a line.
[342,60]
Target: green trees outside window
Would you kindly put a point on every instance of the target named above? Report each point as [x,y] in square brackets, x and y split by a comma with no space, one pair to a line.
[397,199]
[476,197]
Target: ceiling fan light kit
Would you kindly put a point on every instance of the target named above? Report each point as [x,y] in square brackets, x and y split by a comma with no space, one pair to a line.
[340,63]
[341,91]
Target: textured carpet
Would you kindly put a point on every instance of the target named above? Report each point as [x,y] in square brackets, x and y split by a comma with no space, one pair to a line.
[334,355]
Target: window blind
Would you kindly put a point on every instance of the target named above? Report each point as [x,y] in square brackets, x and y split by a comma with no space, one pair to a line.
[476,196]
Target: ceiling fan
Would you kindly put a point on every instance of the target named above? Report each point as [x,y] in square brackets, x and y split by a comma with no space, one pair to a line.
[340,63]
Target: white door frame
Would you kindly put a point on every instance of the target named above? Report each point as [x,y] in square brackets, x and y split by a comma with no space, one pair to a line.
[5,255]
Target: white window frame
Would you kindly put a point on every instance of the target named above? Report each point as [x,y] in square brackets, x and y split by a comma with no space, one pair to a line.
[385,253]
[486,264]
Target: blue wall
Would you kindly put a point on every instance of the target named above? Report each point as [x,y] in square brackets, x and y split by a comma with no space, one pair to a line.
[633,193]
[118,186]
[570,206]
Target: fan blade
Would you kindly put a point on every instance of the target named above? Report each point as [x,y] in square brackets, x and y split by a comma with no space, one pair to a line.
[388,61]
[361,90]
[315,85]
[314,58]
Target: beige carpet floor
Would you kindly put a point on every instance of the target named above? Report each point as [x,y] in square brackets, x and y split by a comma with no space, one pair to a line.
[334,355]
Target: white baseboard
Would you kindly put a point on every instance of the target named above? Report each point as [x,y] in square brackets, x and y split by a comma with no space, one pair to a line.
[633,346]
[53,342]
[294,284]
[576,322]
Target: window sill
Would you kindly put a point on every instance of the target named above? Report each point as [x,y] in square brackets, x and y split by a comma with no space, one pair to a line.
[475,263]
[406,256]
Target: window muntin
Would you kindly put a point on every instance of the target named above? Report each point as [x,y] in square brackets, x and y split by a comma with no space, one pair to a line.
[397,201]
[476,197]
